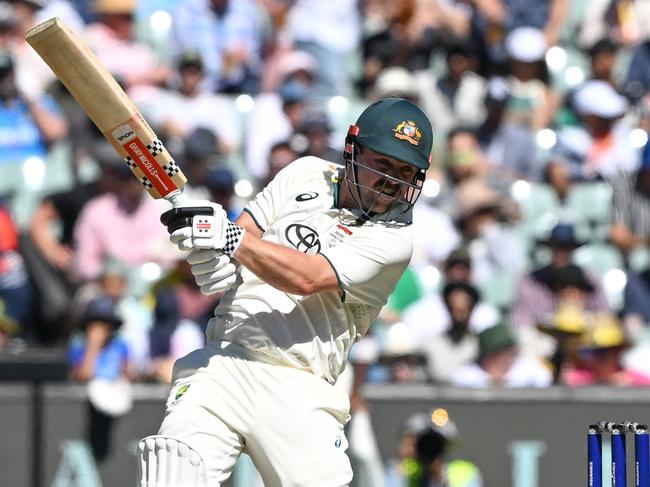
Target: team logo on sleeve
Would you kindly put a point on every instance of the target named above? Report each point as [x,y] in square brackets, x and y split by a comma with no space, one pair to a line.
[303,238]
[182,390]
[407,130]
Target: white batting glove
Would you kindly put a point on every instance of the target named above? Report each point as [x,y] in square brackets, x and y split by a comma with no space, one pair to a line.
[203,225]
[213,271]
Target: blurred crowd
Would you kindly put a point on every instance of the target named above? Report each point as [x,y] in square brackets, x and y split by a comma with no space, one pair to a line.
[532,259]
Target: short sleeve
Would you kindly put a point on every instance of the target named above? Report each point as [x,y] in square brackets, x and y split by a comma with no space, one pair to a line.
[265,207]
[369,266]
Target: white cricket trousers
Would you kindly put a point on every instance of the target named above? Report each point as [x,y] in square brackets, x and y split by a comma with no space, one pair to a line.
[289,421]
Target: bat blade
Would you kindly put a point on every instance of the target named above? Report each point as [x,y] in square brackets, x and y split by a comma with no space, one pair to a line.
[109,107]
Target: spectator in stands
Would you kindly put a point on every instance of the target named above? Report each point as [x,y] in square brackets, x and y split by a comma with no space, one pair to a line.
[288,63]
[49,254]
[637,81]
[493,21]
[603,56]
[221,186]
[228,34]
[395,35]
[101,358]
[631,207]
[181,315]
[532,102]
[600,358]
[16,291]
[508,146]
[494,246]
[401,359]
[599,148]
[110,222]
[425,443]
[186,105]
[274,118]
[536,297]
[458,345]
[27,125]
[65,10]
[63,208]
[500,363]
[281,155]
[319,29]
[636,304]
[435,315]
[315,131]
[33,76]
[455,98]
[395,82]
[8,326]
[113,38]
[622,21]
[100,352]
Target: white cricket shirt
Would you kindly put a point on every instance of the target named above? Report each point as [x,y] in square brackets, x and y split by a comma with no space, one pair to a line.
[314,333]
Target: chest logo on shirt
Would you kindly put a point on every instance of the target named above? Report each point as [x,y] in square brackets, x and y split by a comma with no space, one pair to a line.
[303,238]
[307,196]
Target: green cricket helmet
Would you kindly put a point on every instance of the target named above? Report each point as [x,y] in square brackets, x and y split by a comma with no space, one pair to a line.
[399,129]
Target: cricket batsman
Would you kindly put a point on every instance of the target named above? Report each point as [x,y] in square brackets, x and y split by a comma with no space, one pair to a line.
[306,269]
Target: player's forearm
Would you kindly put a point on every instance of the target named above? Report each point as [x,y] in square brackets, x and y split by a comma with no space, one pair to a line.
[285,268]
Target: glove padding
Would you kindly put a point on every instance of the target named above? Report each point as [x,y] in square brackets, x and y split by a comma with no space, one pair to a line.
[213,271]
[192,228]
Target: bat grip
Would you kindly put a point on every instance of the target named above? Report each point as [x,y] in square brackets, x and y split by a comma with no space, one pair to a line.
[177,198]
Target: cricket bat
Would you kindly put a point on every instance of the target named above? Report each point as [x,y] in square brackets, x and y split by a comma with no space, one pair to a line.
[109,108]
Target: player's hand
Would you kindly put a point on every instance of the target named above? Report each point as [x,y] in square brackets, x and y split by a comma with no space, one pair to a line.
[213,271]
[202,225]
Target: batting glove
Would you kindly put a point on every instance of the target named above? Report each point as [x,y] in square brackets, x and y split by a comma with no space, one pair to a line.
[202,225]
[213,271]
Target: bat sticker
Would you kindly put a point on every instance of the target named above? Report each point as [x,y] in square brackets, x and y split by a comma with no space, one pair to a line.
[144,157]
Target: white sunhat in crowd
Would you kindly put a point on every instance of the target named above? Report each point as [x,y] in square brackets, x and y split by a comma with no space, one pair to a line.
[526,44]
[599,98]
[396,80]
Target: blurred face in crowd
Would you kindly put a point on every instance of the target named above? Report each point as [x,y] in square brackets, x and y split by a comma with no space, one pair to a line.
[458,272]
[114,285]
[497,364]
[526,71]
[129,191]
[460,306]
[319,140]
[573,295]
[598,127]
[191,77]
[458,64]
[474,224]
[604,363]
[120,23]
[464,159]
[560,255]
[294,112]
[602,64]
[280,157]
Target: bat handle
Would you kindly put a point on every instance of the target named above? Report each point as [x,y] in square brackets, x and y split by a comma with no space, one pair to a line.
[177,198]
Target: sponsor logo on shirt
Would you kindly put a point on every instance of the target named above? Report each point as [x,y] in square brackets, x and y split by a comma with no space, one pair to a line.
[307,196]
[303,238]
